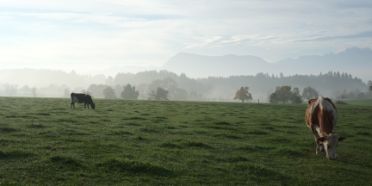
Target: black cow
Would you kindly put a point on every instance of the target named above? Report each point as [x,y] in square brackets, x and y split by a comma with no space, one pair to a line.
[82,98]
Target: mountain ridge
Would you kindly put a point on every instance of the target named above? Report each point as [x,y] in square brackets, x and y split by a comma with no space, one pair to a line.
[356,61]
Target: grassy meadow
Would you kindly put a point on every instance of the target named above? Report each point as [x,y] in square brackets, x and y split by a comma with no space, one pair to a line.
[44,142]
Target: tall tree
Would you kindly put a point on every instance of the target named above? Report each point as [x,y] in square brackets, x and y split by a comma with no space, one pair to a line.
[174,92]
[129,92]
[160,94]
[295,96]
[309,93]
[109,93]
[284,94]
[243,94]
[96,90]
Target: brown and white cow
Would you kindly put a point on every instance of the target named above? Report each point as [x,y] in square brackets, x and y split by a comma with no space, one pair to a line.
[320,117]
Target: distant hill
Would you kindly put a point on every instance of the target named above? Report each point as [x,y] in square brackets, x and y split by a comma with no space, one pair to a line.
[45,77]
[202,66]
[355,61]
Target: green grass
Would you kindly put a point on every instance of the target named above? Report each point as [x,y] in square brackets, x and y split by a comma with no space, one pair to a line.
[44,142]
[362,102]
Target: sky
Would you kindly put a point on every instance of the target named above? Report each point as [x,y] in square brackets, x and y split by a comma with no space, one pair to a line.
[103,36]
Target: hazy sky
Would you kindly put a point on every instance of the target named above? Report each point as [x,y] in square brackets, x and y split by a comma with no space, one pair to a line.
[132,35]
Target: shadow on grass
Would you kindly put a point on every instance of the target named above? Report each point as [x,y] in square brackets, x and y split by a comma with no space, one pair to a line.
[222,127]
[363,133]
[222,123]
[235,159]
[198,145]
[228,136]
[171,146]
[256,148]
[136,118]
[36,126]
[7,129]
[15,155]
[121,133]
[66,162]
[149,130]
[134,167]
[257,132]
[43,114]
[183,145]
[290,153]
[262,174]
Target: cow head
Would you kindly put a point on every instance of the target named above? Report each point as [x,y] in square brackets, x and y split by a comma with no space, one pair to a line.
[330,143]
[90,102]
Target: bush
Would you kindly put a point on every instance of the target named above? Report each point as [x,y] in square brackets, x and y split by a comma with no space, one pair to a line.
[284,94]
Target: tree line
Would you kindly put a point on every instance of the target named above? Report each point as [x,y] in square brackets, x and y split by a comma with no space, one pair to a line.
[157,84]
[282,94]
[128,92]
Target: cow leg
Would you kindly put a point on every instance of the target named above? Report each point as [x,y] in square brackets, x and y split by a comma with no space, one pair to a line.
[319,147]
[72,105]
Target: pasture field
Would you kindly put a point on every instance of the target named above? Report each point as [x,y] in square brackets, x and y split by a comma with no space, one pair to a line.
[44,142]
[362,102]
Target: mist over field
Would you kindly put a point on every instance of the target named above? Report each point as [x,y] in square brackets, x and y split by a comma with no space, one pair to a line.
[191,77]
[185,92]
[48,83]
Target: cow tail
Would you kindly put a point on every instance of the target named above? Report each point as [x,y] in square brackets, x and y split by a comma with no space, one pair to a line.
[314,113]
[326,116]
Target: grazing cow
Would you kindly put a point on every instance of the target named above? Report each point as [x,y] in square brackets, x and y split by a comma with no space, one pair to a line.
[320,117]
[82,98]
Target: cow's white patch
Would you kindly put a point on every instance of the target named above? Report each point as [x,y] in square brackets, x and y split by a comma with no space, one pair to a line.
[320,134]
